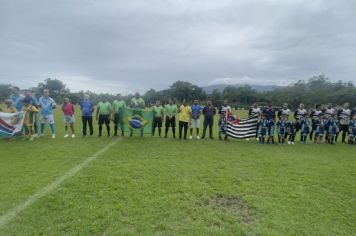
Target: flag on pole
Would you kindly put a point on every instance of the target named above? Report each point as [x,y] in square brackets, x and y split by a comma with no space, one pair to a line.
[10,124]
[241,129]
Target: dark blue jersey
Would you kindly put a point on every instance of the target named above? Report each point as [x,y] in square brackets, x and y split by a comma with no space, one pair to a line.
[262,127]
[332,126]
[291,128]
[282,127]
[352,127]
[305,126]
[270,113]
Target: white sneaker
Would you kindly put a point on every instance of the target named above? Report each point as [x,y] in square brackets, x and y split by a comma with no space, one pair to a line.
[198,137]
[293,143]
[53,136]
[35,135]
[73,136]
[65,136]
[247,139]
[190,137]
[257,139]
[289,142]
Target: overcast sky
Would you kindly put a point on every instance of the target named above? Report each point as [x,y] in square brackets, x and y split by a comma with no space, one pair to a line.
[127,46]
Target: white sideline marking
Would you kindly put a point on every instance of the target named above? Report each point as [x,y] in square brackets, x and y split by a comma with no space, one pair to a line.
[7,217]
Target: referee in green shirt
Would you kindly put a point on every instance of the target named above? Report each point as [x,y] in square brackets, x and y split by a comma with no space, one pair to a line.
[157,118]
[103,113]
[170,110]
[117,106]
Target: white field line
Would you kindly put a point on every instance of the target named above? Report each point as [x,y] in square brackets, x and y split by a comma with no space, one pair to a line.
[10,215]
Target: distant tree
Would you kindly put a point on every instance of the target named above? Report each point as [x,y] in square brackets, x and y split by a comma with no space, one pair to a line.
[56,87]
[184,90]
[5,91]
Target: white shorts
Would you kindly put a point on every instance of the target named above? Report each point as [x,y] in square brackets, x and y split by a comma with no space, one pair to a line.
[195,123]
[47,119]
[69,119]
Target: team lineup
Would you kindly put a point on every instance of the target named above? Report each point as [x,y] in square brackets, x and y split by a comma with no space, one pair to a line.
[319,125]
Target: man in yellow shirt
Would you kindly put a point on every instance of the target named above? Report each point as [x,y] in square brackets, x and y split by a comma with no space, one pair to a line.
[185,116]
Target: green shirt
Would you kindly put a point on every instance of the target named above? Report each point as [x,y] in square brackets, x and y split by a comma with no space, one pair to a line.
[104,108]
[137,103]
[157,111]
[117,105]
[171,110]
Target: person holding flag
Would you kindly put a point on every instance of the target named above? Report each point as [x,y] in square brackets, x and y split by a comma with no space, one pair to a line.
[17,98]
[117,106]
[137,104]
[170,110]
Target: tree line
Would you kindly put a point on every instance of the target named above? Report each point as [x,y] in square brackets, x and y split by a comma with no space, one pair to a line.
[315,90]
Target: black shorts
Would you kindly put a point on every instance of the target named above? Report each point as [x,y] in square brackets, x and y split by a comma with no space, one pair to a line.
[157,122]
[104,119]
[170,122]
[344,128]
[117,119]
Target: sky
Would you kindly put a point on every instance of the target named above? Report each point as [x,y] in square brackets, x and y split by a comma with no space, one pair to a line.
[121,46]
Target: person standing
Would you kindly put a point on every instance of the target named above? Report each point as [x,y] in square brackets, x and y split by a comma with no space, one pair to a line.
[299,114]
[33,101]
[195,122]
[47,104]
[68,111]
[17,98]
[137,104]
[270,114]
[87,108]
[170,110]
[185,116]
[315,117]
[29,112]
[285,111]
[209,112]
[225,109]
[103,112]
[344,120]
[117,108]
[255,112]
[158,115]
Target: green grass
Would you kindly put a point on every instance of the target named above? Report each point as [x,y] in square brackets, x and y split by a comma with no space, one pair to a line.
[169,187]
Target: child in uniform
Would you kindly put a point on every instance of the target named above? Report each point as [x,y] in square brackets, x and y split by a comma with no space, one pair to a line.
[262,129]
[222,126]
[28,122]
[282,128]
[319,129]
[305,128]
[332,129]
[291,132]
[352,130]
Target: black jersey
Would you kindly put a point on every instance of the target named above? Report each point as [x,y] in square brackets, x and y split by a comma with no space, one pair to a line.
[299,114]
[343,116]
[315,115]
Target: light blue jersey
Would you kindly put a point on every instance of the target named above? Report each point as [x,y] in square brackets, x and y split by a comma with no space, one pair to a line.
[46,104]
[17,101]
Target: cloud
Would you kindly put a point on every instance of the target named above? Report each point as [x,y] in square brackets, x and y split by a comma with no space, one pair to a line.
[128,46]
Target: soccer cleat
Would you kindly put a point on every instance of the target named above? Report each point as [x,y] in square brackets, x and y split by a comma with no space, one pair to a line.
[257,139]
[247,139]
[66,136]
[73,135]
[289,142]
[35,135]
[198,137]
[53,136]
[190,137]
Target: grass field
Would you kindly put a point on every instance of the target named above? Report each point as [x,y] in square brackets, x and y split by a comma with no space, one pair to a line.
[154,186]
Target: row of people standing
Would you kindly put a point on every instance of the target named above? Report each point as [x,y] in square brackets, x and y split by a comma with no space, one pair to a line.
[319,123]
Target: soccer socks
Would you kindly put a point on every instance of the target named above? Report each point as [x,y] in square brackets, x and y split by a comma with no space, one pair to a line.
[66,129]
[108,129]
[159,131]
[115,130]
[100,130]
[53,130]
[42,128]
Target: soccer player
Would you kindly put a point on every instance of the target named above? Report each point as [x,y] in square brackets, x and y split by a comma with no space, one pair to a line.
[222,126]
[255,111]
[47,104]
[17,98]
[319,129]
[344,121]
[170,111]
[315,119]
[270,114]
[68,111]
[209,112]
[262,128]
[282,128]
[185,116]
[298,115]
[291,132]
[28,122]
[352,130]
[117,106]
[305,128]
[329,111]
[137,104]
[103,112]
[332,128]
[225,108]
[87,108]
[195,122]
[284,111]
[158,115]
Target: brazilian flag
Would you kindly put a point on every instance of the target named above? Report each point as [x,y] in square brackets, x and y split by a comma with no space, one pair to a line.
[136,119]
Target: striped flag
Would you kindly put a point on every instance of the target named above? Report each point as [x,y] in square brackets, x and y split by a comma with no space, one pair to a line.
[10,124]
[245,128]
